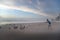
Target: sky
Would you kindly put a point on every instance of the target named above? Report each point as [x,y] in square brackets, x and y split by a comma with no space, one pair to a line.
[29,8]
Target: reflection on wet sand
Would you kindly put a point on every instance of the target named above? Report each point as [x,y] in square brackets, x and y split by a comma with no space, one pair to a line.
[22,31]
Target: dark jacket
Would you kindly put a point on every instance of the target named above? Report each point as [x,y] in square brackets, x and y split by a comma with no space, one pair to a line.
[48,21]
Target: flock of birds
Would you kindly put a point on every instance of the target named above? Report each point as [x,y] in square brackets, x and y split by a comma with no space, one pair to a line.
[15,26]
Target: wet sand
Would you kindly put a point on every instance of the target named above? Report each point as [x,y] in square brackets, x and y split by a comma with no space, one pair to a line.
[32,31]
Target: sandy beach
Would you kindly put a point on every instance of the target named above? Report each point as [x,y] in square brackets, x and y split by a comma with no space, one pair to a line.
[32,27]
[31,30]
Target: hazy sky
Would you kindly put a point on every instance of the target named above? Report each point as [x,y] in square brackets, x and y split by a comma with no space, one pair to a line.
[29,8]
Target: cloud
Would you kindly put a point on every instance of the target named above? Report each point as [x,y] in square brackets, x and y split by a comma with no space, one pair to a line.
[5,15]
[8,16]
[48,6]
[25,9]
[7,2]
[33,6]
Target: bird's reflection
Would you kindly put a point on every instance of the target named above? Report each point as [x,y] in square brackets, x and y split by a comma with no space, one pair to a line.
[22,27]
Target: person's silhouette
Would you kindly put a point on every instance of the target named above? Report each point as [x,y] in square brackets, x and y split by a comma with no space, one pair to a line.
[49,23]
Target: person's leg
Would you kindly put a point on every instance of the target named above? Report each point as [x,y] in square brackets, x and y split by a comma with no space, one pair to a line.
[49,25]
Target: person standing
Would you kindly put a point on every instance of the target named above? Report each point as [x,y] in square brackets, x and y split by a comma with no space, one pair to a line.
[49,24]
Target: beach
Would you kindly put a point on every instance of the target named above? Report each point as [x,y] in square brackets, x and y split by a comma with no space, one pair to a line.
[32,30]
